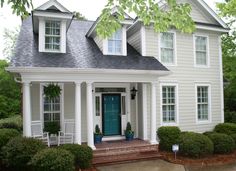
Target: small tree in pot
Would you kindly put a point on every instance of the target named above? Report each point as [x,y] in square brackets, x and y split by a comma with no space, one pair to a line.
[52,127]
[129,134]
[97,135]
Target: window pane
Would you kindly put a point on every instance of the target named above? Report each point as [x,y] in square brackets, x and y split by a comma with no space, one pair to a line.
[97,107]
[115,43]
[201,58]
[201,50]
[123,105]
[202,99]
[52,35]
[167,47]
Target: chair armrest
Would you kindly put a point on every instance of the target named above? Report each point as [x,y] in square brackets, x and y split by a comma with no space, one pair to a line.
[46,134]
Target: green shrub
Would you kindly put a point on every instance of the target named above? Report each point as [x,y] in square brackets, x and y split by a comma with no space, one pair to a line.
[6,135]
[222,143]
[226,128]
[53,159]
[52,127]
[233,136]
[14,122]
[195,145]
[19,150]
[230,116]
[208,133]
[83,154]
[168,136]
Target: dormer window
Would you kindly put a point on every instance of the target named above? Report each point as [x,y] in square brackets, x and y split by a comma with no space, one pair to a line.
[115,43]
[52,35]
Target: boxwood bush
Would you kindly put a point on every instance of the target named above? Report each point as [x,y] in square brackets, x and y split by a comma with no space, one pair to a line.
[168,136]
[233,136]
[19,150]
[53,159]
[195,145]
[83,154]
[6,135]
[226,128]
[14,122]
[222,143]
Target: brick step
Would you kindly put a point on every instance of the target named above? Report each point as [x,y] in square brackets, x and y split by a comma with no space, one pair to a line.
[124,150]
[123,158]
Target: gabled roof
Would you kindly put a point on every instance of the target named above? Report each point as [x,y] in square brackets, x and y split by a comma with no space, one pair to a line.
[52,5]
[82,52]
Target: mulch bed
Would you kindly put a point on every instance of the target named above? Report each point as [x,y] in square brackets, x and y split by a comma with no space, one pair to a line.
[214,160]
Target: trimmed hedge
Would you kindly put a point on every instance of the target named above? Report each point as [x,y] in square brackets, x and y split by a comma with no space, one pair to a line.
[6,135]
[233,136]
[14,122]
[168,136]
[195,145]
[83,154]
[223,143]
[226,128]
[53,159]
[19,151]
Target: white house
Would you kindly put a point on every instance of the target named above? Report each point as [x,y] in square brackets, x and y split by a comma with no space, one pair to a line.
[178,76]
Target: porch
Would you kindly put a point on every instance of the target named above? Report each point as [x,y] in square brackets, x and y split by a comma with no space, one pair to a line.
[81,104]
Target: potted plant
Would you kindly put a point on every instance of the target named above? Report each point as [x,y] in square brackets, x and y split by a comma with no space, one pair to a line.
[52,91]
[52,128]
[129,134]
[97,135]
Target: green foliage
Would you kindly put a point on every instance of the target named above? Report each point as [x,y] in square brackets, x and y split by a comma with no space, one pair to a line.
[226,128]
[195,145]
[230,117]
[53,159]
[222,143]
[79,16]
[14,122]
[19,7]
[228,9]
[97,130]
[6,135]
[128,129]
[233,136]
[19,151]
[52,91]
[10,94]
[83,154]
[51,127]
[149,12]
[168,136]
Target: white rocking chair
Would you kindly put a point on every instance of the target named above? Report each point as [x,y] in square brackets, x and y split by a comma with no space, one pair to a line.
[67,136]
[37,132]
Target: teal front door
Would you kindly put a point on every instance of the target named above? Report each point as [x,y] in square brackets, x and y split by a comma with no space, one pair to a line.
[111,114]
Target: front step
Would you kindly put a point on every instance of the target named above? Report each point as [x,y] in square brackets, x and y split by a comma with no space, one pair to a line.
[125,154]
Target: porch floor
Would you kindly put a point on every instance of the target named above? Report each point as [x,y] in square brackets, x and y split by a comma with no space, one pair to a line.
[120,151]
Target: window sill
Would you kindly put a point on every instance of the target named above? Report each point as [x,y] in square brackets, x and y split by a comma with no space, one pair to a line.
[201,66]
[203,122]
[169,124]
[52,51]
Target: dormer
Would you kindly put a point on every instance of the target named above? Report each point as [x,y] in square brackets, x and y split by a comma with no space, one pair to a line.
[117,43]
[51,22]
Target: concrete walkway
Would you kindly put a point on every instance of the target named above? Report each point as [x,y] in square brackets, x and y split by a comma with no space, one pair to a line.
[229,167]
[152,165]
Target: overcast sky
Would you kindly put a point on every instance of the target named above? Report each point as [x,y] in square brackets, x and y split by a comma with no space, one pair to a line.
[91,9]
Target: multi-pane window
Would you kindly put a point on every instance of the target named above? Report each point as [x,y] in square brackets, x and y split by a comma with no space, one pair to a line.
[201,50]
[97,105]
[115,43]
[202,102]
[51,109]
[52,35]
[167,48]
[169,104]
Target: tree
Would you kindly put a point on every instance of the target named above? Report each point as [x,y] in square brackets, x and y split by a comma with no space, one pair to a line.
[79,16]
[149,11]
[20,8]
[228,10]
[10,93]
[175,15]
[10,37]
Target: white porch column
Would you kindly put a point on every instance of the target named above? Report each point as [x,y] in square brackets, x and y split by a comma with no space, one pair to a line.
[144,107]
[90,116]
[77,113]
[26,110]
[153,113]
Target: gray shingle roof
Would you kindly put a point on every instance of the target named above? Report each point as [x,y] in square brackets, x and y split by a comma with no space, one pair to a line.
[82,52]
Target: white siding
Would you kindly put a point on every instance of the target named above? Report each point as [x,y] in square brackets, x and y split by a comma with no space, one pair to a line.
[99,42]
[186,76]
[35,101]
[135,41]
[69,101]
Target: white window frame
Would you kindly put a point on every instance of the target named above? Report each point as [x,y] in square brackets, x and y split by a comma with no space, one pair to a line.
[61,105]
[174,52]
[207,51]
[51,35]
[176,123]
[209,103]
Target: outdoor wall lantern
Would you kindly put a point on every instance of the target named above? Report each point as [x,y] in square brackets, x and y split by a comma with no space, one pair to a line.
[175,149]
[133,93]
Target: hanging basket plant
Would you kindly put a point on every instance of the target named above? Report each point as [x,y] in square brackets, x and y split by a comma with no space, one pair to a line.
[52,91]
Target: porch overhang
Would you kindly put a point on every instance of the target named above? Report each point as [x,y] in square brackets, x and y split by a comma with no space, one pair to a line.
[50,74]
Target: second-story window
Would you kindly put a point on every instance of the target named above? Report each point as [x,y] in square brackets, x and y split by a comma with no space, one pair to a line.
[52,35]
[167,51]
[115,43]
[201,54]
